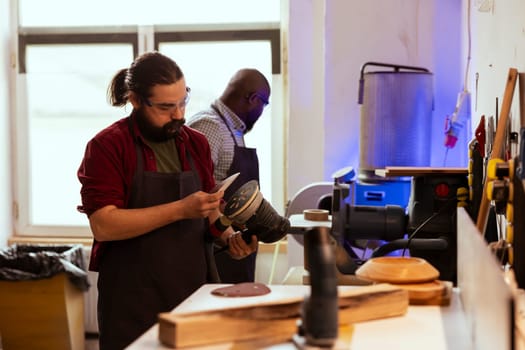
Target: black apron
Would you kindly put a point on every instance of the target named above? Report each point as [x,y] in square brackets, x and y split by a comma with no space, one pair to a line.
[246,163]
[152,273]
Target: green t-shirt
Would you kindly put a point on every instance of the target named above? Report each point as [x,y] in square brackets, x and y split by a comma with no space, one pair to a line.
[166,156]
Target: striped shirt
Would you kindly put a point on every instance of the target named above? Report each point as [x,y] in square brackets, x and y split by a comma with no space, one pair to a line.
[210,123]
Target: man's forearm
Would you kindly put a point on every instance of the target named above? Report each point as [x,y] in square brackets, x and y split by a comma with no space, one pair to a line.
[111,223]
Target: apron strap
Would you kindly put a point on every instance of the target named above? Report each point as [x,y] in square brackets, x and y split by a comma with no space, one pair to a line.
[225,122]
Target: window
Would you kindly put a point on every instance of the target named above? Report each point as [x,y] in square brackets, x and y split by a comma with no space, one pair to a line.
[61,92]
[194,59]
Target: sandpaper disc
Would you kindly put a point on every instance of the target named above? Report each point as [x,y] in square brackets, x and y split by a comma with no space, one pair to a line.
[246,289]
[244,202]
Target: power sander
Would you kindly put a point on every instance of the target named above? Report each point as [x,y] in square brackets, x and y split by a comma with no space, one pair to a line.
[248,210]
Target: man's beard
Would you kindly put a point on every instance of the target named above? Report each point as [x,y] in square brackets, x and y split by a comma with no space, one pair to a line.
[155,133]
[249,123]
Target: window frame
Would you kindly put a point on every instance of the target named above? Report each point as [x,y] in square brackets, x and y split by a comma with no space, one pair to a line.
[164,34]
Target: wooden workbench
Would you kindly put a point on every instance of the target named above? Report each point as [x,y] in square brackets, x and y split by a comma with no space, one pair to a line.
[422,327]
[480,315]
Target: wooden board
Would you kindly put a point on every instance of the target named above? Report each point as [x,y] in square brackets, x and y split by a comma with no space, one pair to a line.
[521,90]
[431,293]
[497,147]
[238,319]
[486,297]
[416,171]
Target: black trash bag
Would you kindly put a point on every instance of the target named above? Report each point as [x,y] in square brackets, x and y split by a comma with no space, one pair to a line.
[32,262]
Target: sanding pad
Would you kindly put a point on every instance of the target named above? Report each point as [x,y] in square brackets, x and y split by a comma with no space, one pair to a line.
[246,289]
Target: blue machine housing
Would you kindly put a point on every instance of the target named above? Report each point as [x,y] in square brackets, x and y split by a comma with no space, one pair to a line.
[394,192]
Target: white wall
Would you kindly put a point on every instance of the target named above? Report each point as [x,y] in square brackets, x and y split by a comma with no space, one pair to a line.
[498,44]
[329,42]
[305,64]
[5,165]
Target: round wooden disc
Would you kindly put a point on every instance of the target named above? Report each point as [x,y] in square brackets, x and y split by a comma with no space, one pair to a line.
[391,269]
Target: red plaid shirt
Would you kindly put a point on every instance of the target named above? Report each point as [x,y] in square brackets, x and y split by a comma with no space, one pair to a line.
[106,172]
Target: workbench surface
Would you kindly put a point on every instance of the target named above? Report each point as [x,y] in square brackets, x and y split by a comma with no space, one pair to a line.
[423,327]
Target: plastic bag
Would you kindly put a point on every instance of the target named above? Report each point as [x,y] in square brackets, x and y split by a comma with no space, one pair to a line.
[32,262]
